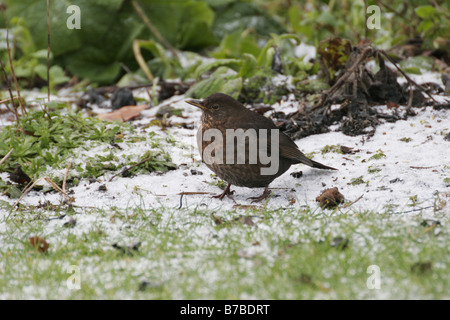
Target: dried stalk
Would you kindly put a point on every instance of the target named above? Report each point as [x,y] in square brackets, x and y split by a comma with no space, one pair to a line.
[2,8]
[6,157]
[27,190]
[152,28]
[65,176]
[48,50]
[57,188]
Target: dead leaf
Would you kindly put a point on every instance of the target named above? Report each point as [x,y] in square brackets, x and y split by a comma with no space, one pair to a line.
[392,105]
[123,114]
[246,206]
[349,150]
[39,243]
[243,253]
[217,220]
[421,268]
[128,249]
[330,198]
[245,220]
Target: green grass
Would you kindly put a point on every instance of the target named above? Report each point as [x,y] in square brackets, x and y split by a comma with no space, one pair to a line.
[184,254]
[45,143]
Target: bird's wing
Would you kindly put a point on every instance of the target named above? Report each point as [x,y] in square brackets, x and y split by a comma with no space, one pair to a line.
[288,149]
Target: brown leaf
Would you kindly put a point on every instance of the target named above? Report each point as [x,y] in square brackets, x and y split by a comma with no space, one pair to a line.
[330,198]
[39,243]
[245,220]
[123,114]
[217,220]
[348,150]
[392,105]
[246,206]
[421,268]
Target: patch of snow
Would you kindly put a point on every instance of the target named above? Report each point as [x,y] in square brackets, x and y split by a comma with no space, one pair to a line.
[306,51]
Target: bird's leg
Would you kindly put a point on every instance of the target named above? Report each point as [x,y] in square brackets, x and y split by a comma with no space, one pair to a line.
[264,195]
[225,192]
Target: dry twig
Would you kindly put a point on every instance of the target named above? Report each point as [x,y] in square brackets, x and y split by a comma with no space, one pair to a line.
[69,166]
[6,156]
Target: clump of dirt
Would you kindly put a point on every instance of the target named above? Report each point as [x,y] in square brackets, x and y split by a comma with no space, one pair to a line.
[330,198]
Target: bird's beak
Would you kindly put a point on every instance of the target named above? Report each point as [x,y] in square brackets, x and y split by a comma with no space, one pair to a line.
[196,103]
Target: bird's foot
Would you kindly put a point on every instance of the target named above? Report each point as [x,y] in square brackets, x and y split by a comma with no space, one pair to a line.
[264,195]
[227,192]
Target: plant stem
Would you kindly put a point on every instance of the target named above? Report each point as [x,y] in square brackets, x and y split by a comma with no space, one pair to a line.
[2,8]
[48,50]
[152,28]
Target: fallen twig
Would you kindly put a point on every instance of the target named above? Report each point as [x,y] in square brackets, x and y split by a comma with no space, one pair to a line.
[7,100]
[191,192]
[65,176]
[26,192]
[6,156]
[413,167]
[405,75]
[129,168]
[368,51]
[348,204]
[54,185]
[57,188]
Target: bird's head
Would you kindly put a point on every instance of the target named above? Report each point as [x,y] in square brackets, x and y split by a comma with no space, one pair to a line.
[218,106]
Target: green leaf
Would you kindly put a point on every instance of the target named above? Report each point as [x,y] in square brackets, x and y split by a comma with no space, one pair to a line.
[219,81]
[248,67]
[57,75]
[425,11]
[416,64]
[235,44]
[231,63]
[425,26]
[412,70]
[108,29]
[239,16]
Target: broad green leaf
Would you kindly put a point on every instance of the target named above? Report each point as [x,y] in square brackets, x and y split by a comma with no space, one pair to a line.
[219,81]
[108,29]
[425,11]
[231,63]
[415,64]
[248,67]
[239,16]
[412,70]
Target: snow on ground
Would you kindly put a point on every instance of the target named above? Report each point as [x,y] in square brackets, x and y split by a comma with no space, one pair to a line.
[412,166]
[401,169]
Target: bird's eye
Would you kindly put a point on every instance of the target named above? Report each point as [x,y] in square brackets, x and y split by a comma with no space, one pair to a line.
[215,106]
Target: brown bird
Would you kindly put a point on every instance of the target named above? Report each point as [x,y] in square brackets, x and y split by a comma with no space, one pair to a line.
[222,118]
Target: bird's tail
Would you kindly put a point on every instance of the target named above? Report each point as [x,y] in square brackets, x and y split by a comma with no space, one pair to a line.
[318,165]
